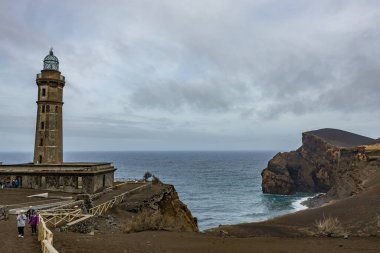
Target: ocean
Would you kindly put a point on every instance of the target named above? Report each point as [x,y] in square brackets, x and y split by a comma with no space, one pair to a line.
[219,187]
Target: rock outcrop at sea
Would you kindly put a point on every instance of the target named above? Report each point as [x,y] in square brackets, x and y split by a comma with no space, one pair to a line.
[329,160]
[161,211]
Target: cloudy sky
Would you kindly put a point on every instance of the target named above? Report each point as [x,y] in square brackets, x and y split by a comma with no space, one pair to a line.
[192,75]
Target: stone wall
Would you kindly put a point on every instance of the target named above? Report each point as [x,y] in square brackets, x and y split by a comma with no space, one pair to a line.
[66,183]
[98,182]
[4,211]
[67,177]
[84,227]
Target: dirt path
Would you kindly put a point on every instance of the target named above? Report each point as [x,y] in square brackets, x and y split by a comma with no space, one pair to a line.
[17,197]
[10,242]
[14,198]
[117,191]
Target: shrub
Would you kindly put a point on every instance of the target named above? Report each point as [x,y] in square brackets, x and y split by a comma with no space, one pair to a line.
[156,180]
[329,227]
[147,175]
[143,221]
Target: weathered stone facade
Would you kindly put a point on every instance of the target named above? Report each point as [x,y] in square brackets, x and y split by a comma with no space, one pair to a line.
[67,177]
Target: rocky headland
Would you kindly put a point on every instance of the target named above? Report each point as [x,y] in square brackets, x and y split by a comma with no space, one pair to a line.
[345,168]
[330,161]
[162,210]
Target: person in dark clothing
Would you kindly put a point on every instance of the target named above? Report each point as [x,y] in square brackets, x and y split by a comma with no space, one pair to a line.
[33,221]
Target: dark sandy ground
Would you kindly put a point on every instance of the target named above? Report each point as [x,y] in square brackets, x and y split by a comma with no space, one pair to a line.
[190,242]
[11,243]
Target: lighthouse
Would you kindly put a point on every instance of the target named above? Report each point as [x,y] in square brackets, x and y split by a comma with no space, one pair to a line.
[48,148]
[48,171]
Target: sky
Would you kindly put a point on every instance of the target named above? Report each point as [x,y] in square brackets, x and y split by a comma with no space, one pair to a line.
[192,74]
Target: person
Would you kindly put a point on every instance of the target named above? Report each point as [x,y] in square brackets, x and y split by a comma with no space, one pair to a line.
[21,218]
[33,221]
[29,212]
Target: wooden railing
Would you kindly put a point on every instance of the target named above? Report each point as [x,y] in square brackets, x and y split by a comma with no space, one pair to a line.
[45,236]
[58,216]
[103,208]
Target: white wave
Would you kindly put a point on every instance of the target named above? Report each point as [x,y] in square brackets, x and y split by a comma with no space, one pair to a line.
[298,206]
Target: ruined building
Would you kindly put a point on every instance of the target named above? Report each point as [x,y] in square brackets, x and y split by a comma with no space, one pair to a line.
[48,171]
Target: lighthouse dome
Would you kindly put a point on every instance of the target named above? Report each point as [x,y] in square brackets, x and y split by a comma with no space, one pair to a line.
[51,61]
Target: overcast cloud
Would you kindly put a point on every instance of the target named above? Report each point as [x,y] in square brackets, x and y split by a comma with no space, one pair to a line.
[192,75]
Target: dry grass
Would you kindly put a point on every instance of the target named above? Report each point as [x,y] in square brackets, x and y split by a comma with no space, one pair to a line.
[372,147]
[329,226]
[145,220]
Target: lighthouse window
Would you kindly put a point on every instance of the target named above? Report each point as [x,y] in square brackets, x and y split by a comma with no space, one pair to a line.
[41,142]
[42,125]
[43,108]
[43,92]
[47,108]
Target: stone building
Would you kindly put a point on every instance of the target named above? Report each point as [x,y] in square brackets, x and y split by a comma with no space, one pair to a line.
[48,171]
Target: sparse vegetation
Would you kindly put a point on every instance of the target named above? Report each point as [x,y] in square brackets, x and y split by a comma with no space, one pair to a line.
[149,220]
[148,175]
[329,226]
[142,221]
[156,180]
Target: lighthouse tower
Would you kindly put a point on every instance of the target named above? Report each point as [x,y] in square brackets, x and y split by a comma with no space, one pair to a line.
[50,83]
[48,171]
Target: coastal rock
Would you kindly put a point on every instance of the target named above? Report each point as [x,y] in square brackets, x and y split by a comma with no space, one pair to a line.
[162,211]
[287,173]
[329,160]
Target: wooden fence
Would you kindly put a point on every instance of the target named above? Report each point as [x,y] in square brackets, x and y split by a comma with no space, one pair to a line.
[45,236]
[58,216]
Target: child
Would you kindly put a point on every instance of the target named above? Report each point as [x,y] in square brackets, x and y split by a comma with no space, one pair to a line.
[21,218]
[33,221]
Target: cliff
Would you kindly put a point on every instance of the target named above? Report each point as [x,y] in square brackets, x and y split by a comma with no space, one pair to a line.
[329,160]
[159,208]
[147,207]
